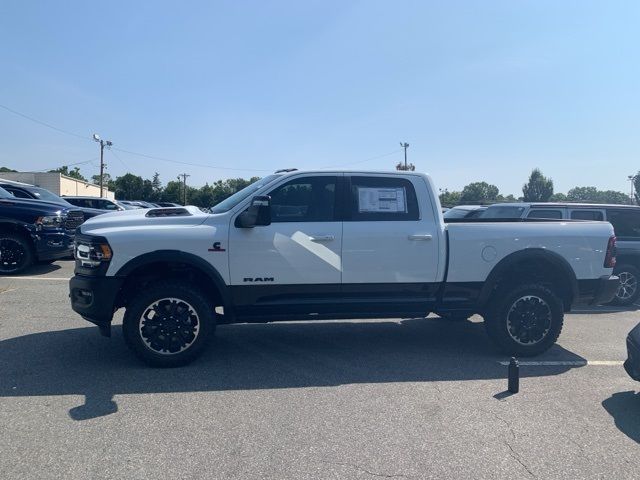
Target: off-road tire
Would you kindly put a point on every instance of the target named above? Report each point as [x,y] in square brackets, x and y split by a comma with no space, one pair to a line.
[531,313]
[186,316]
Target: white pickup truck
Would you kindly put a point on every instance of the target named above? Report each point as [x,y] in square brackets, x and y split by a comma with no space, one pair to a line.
[318,245]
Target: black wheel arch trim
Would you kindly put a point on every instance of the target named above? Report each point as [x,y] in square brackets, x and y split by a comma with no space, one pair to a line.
[188,259]
[527,254]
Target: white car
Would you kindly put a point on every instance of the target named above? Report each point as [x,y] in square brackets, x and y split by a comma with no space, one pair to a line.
[311,245]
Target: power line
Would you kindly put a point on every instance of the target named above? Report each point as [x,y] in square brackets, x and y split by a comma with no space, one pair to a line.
[45,124]
[68,165]
[361,161]
[170,160]
[120,160]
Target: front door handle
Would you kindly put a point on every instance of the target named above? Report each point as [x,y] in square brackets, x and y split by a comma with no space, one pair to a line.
[420,237]
[321,238]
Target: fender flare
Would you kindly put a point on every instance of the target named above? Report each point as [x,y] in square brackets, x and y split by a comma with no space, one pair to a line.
[528,254]
[186,258]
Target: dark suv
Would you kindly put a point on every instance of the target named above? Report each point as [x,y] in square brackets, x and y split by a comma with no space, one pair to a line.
[33,231]
[624,218]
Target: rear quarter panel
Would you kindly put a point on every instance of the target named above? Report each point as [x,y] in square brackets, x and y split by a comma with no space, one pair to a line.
[476,248]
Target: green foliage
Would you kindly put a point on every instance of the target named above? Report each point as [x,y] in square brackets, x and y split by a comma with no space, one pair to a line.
[636,187]
[593,195]
[129,187]
[75,173]
[96,179]
[538,189]
[5,169]
[558,197]
[479,192]
[509,198]
[449,199]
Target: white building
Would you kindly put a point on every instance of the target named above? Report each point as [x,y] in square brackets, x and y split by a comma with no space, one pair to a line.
[58,183]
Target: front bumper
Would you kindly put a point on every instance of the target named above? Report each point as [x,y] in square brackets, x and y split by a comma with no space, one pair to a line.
[598,291]
[53,245]
[632,364]
[95,298]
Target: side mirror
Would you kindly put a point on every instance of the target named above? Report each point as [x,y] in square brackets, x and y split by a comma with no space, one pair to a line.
[258,213]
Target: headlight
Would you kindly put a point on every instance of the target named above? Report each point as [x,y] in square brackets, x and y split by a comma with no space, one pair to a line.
[50,221]
[92,255]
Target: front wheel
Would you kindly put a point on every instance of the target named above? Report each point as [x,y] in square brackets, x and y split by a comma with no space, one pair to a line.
[167,324]
[526,320]
[16,254]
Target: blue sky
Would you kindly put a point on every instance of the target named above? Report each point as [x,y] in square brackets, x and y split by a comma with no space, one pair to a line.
[482,90]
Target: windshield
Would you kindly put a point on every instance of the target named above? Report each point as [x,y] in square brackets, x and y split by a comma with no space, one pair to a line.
[456,213]
[4,193]
[502,212]
[47,196]
[230,202]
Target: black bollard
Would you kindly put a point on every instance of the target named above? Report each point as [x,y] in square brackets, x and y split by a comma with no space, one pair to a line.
[514,375]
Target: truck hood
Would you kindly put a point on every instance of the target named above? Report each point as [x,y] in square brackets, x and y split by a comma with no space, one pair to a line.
[141,218]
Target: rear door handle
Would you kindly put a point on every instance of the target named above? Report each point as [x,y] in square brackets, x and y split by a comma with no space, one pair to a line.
[420,237]
[321,238]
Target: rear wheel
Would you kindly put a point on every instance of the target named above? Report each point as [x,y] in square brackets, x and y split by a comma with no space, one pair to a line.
[628,291]
[526,320]
[15,253]
[167,324]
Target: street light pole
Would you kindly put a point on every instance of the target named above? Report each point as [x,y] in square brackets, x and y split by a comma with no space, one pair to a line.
[102,143]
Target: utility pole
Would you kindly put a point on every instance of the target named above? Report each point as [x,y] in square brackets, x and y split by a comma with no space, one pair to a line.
[405,145]
[632,179]
[102,143]
[184,193]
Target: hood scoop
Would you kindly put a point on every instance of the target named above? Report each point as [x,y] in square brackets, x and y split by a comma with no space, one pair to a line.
[168,212]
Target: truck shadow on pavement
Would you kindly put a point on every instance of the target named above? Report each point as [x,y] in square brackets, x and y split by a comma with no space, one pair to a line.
[624,407]
[245,357]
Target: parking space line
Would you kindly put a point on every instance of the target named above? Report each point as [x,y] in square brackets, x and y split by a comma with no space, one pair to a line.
[36,278]
[568,363]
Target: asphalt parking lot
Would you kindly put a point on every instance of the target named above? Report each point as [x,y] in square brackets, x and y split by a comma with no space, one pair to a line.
[405,398]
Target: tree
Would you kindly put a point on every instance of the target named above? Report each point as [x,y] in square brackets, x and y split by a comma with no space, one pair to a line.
[75,173]
[479,192]
[5,169]
[106,177]
[509,198]
[558,197]
[449,199]
[593,195]
[636,187]
[128,187]
[538,189]
[172,192]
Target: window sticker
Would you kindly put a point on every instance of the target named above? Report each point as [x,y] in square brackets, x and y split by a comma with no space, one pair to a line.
[389,200]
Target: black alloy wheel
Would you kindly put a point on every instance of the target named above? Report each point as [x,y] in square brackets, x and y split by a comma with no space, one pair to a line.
[15,254]
[167,323]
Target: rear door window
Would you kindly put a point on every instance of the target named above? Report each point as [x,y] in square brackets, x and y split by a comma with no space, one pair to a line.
[626,223]
[550,213]
[382,199]
[587,215]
